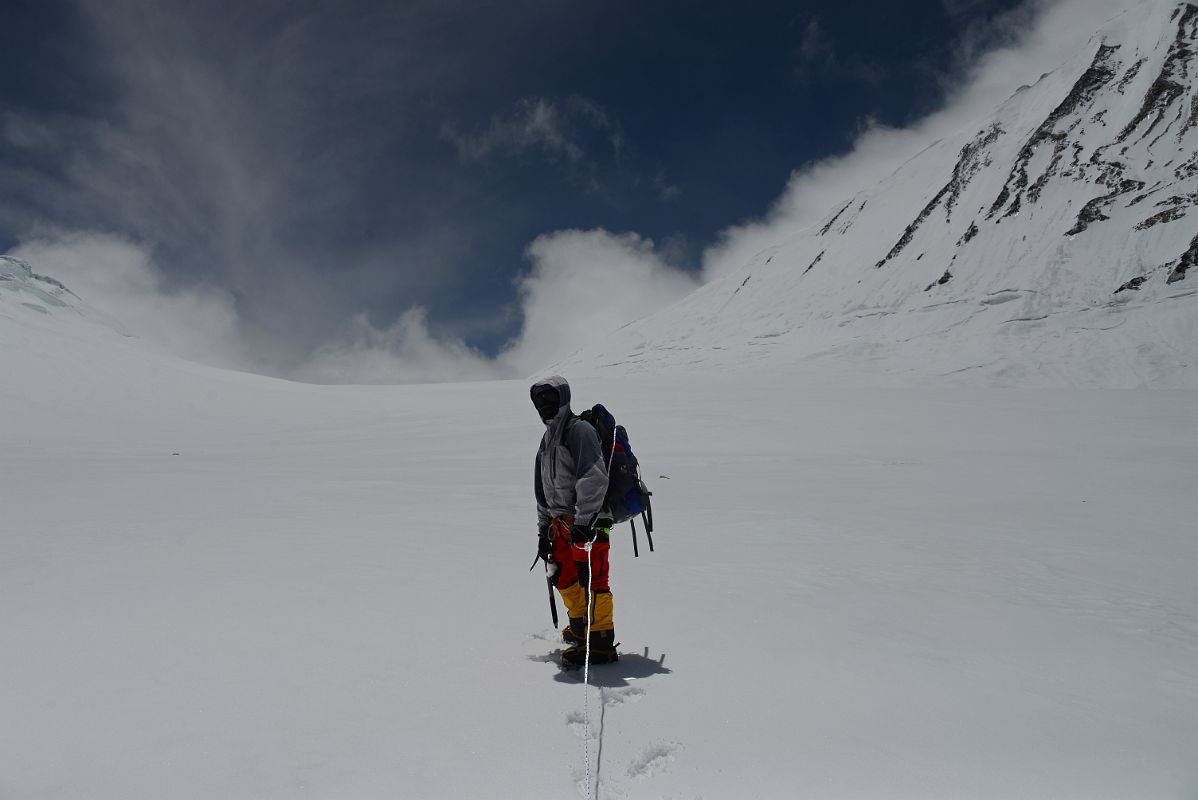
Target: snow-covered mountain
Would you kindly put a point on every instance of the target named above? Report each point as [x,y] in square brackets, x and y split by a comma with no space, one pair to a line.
[22,288]
[39,302]
[220,585]
[1046,245]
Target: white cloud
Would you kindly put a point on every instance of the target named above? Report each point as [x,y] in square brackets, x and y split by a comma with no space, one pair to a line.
[584,284]
[119,277]
[1038,36]
[406,352]
[557,129]
[581,283]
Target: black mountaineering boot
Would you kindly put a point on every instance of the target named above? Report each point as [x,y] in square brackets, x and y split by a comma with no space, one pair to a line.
[603,650]
[576,631]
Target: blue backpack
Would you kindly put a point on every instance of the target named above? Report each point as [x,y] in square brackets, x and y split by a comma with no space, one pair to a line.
[627,496]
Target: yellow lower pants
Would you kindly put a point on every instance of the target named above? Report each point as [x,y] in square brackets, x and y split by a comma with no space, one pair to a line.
[574,597]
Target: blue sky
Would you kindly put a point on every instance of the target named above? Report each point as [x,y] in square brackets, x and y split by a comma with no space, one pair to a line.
[338,175]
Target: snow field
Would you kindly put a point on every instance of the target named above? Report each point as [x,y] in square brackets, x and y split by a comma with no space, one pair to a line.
[894,593]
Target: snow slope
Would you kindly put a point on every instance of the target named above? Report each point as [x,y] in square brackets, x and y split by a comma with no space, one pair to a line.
[215,585]
[1045,246]
[218,585]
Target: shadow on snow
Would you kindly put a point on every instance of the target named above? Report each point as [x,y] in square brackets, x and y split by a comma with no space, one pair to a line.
[630,668]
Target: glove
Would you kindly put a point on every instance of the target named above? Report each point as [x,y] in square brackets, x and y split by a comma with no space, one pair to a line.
[544,547]
[581,534]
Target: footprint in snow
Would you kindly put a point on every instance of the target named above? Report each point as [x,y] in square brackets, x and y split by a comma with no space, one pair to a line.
[577,724]
[549,635]
[653,760]
[615,697]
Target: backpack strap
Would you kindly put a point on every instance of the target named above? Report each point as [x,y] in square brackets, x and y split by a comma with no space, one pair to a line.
[566,431]
[586,416]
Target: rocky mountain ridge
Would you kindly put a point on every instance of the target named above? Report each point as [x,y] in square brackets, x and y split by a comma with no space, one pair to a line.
[1051,245]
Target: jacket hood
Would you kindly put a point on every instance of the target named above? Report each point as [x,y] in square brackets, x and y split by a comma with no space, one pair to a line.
[563,391]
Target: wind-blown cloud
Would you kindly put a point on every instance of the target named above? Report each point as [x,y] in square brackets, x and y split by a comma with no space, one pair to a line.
[1014,49]
[819,59]
[119,277]
[558,130]
[584,284]
[581,284]
[405,352]
[272,148]
[243,204]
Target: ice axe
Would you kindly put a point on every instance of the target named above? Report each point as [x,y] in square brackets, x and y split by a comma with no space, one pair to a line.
[549,583]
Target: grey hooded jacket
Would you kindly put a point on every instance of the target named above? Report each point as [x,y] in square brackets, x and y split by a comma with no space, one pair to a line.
[570,478]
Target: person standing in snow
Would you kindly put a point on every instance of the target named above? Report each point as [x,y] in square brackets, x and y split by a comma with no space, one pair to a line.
[570,482]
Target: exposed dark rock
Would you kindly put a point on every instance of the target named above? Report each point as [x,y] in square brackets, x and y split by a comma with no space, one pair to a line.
[1096,157]
[1129,76]
[1092,211]
[1132,285]
[972,159]
[832,221]
[1167,87]
[1097,75]
[1160,96]
[1192,120]
[818,259]
[1112,173]
[967,237]
[1016,205]
[1033,193]
[1188,259]
[1188,169]
[1176,118]
[1166,216]
[945,278]
[909,231]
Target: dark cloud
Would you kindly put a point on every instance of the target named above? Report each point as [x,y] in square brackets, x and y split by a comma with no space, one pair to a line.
[820,59]
[254,146]
[958,7]
[327,167]
[556,130]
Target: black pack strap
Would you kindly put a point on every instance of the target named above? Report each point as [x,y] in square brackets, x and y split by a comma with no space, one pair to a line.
[566,430]
[647,516]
